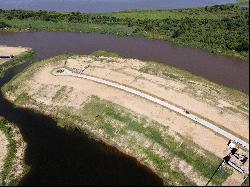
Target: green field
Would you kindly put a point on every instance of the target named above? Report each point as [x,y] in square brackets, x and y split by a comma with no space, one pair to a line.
[243,1]
[221,29]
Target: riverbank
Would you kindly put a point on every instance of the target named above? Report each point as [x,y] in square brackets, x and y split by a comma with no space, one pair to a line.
[12,167]
[7,53]
[124,122]
[212,29]
[12,51]
[23,56]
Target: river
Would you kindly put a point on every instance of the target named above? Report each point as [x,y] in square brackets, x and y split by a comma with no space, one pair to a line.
[98,6]
[227,71]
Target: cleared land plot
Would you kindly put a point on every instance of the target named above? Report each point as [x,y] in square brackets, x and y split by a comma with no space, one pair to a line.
[172,145]
[196,98]
[77,73]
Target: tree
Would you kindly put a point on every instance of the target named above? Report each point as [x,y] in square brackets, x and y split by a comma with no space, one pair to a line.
[4,25]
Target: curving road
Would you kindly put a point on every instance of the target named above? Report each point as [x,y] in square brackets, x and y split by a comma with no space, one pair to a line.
[79,73]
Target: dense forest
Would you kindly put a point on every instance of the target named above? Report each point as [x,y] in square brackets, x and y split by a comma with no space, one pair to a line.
[221,29]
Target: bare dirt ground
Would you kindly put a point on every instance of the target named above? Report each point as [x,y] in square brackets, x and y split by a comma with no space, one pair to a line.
[172,91]
[7,51]
[44,87]
[83,89]
[3,149]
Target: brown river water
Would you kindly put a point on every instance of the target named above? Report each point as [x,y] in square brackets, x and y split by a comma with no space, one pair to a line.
[227,71]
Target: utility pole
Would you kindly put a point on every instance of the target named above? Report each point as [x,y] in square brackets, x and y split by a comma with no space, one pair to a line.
[214,173]
[247,178]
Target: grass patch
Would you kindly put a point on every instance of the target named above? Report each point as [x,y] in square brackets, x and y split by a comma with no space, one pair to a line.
[246,182]
[163,167]
[243,1]
[205,165]
[149,132]
[159,163]
[22,98]
[108,128]
[158,69]
[244,106]
[104,54]
[170,75]
[59,93]
[11,151]
[220,176]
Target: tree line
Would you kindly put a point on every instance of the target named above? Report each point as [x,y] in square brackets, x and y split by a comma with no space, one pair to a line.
[229,32]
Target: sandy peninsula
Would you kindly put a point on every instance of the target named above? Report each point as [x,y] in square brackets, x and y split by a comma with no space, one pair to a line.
[86,102]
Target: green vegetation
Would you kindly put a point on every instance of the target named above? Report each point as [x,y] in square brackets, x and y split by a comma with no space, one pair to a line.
[59,93]
[11,150]
[243,1]
[22,97]
[220,29]
[163,167]
[220,176]
[104,113]
[4,25]
[246,182]
[212,13]
[104,54]
[16,61]
[7,177]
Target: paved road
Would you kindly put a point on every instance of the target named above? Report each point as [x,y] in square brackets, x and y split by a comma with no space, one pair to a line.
[79,74]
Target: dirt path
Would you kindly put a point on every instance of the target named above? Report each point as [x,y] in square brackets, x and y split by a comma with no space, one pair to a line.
[3,149]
